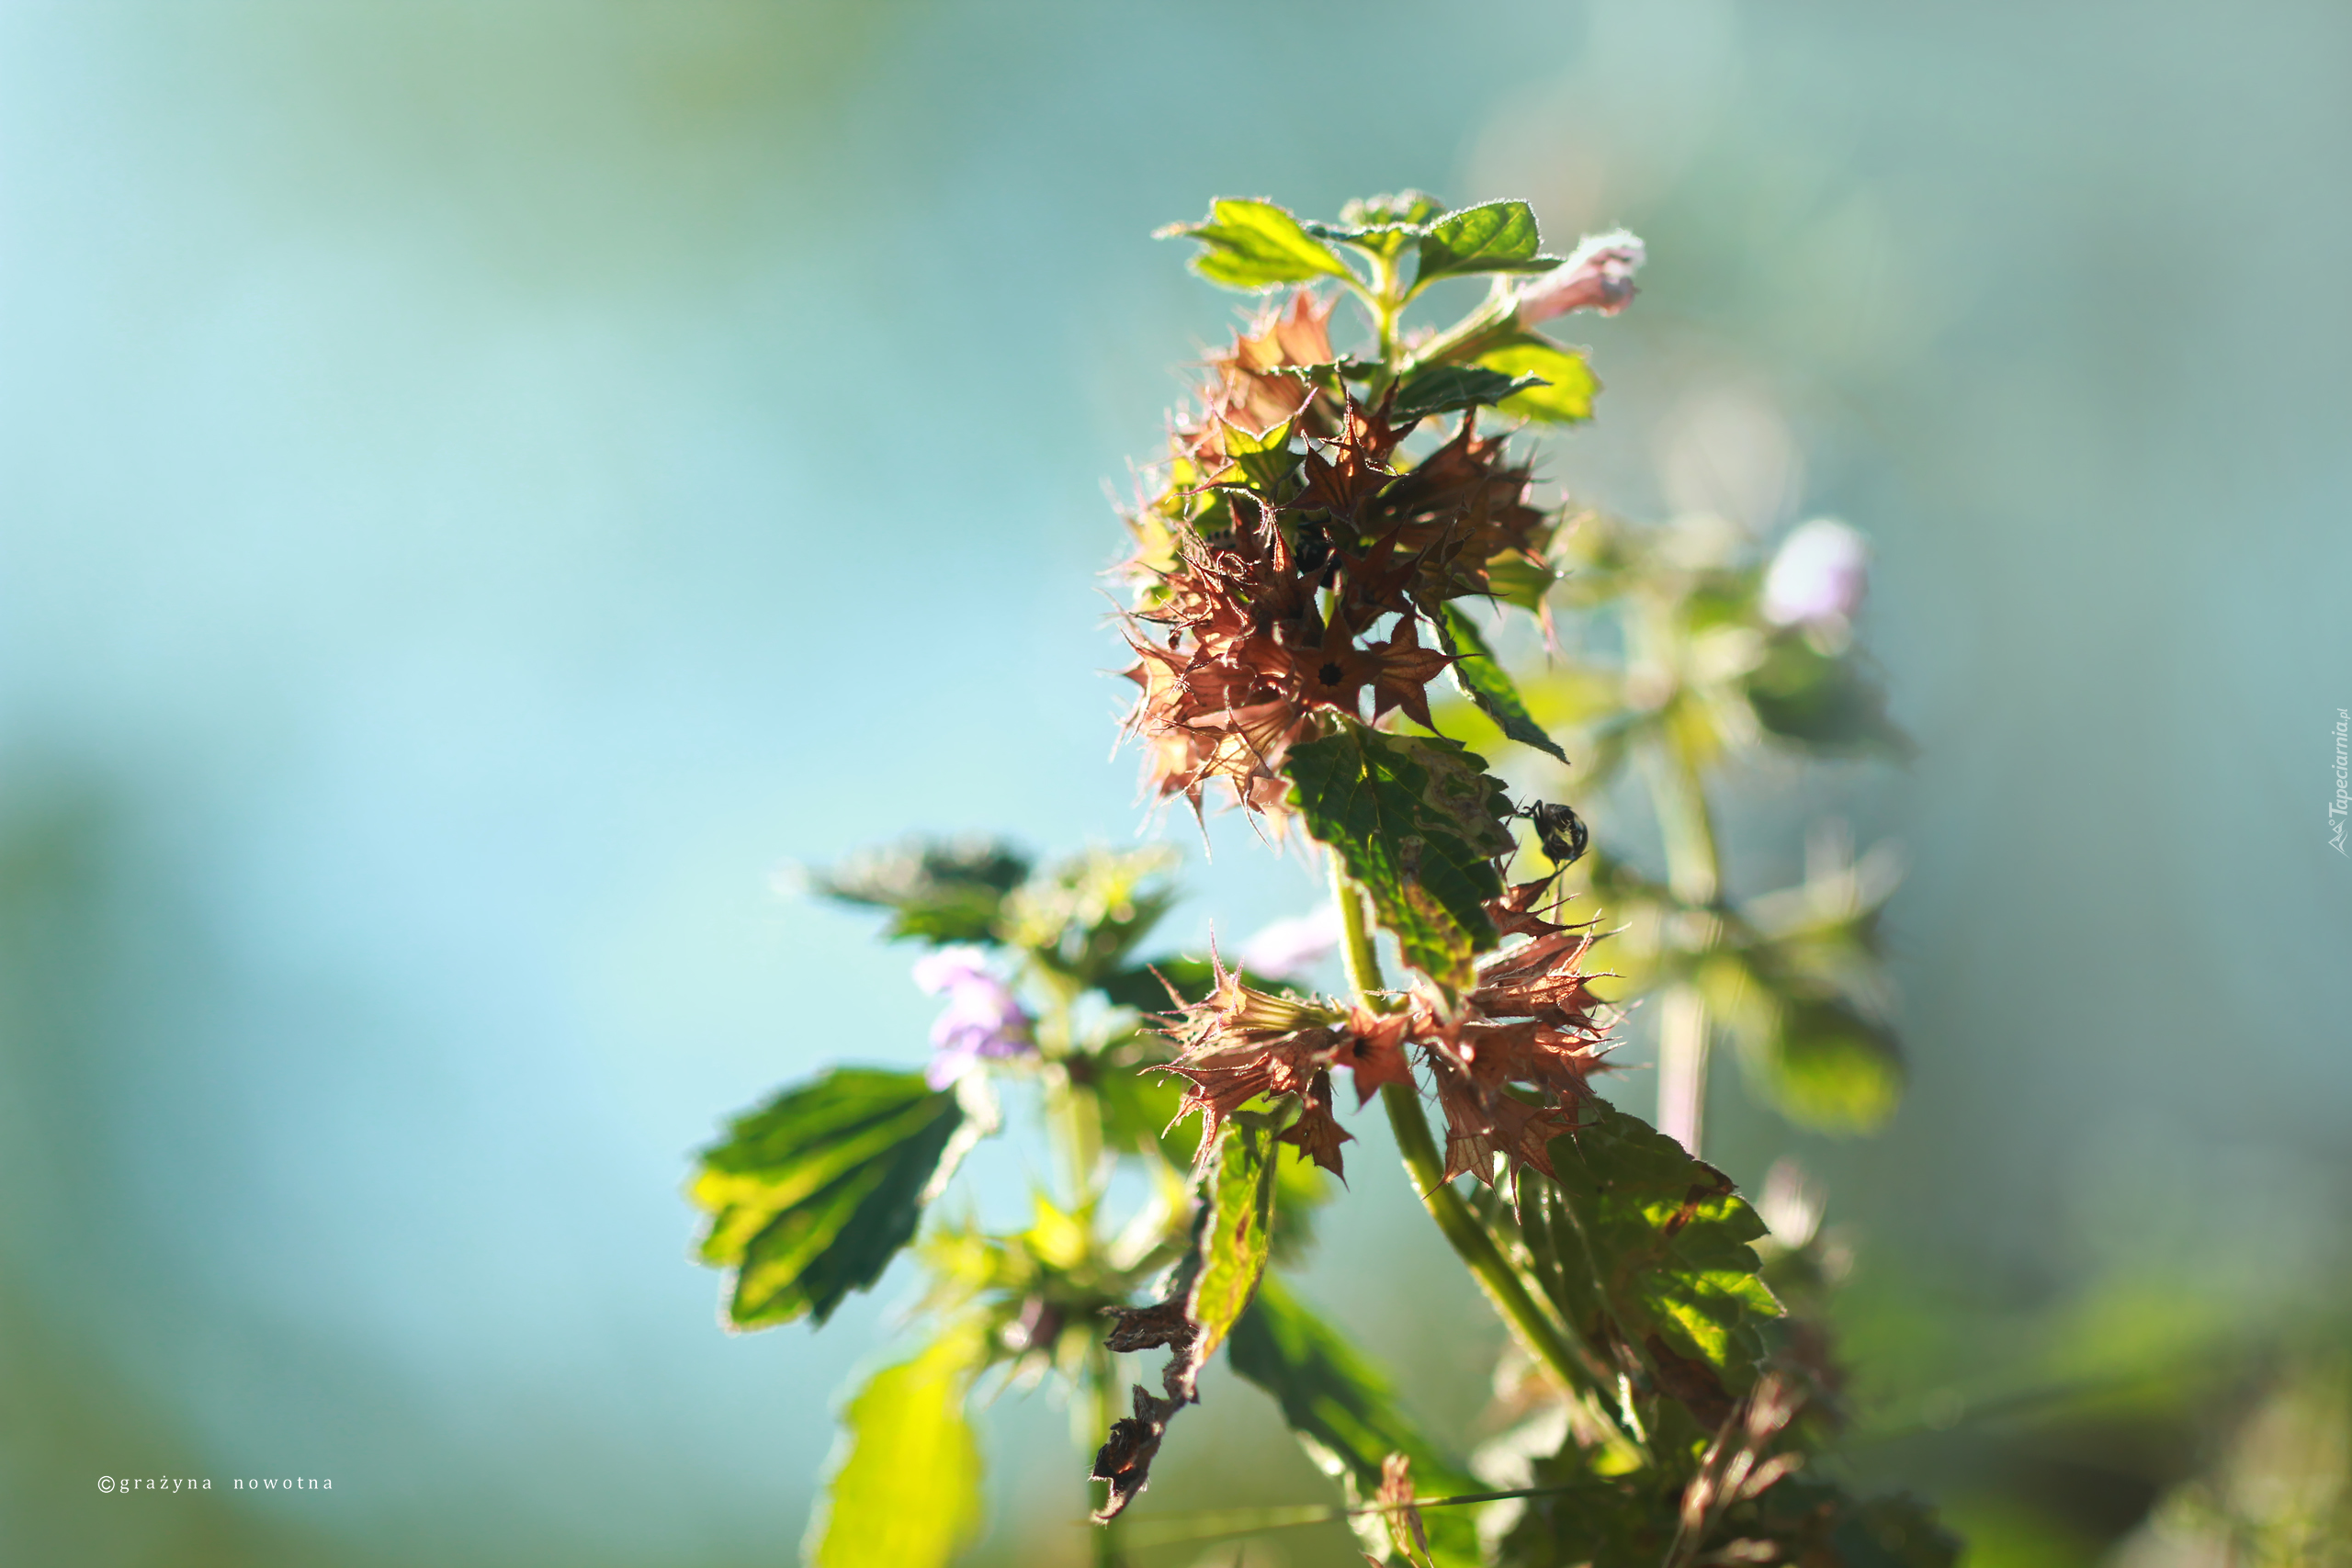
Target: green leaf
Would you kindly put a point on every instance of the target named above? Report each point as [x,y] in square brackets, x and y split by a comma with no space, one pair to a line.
[1411,208]
[1083,916]
[1515,579]
[1442,388]
[1255,244]
[812,1195]
[1602,1521]
[1897,1532]
[1830,1068]
[1821,702]
[1263,456]
[1645,1248]
[1382,226]
[1386,240]
[1484,681]
[1812,1520]
[1416,823]
[1348,1418]
[939,890]
[1145,986]
[1498,236]
[1232,1236]
[1569,385]
[1235,1232]
[905,1487]
[1139,1108]
[1628,1522]
[1805,1048]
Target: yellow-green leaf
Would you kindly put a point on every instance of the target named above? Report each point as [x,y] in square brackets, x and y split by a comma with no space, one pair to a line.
[1485,682]
[1496,236]
[1255,244]
[813,1194]
[905,1487]
[1348,1418]
[1236,1233]
[1570,385]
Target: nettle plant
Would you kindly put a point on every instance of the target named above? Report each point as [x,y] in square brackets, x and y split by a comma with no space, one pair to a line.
[1313,574]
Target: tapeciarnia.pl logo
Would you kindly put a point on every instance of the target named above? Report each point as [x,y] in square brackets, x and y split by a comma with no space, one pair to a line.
[2338,807]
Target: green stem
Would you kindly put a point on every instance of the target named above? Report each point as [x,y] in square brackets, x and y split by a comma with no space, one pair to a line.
[1075,1117]
[1578,1371]
[1693,870]
[1384,306]
[1492,323]
[1694,875]
[1356,950]
[1568,1359]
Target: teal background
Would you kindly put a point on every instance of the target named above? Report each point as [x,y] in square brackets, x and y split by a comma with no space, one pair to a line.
[481,486]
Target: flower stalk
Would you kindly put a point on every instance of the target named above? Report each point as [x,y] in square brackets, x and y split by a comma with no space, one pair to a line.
[1538,1329]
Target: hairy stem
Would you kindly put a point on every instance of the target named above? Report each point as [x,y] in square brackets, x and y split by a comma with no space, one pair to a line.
[1362,958]
[1075,1118]
[1470,1241]
[1537,1329]
[1694,873]
[1492,323]
[1683,1065]
[1385,306]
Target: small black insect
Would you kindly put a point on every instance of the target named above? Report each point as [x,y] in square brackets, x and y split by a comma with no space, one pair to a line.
[1559,830]
[1314,548]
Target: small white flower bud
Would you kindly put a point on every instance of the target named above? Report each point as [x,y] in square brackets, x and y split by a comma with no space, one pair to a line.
[1818,577]
[1597,277]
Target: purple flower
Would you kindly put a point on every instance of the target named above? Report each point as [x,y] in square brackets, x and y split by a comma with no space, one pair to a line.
[1290,950]
[980,1020]
[1818,577]
[1598,276]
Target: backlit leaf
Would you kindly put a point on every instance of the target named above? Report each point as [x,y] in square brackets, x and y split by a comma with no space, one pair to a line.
[1497,236]
[1569,385]
[1822,702]
[1410,208]
[1236,1233]
[1347,1417]
[1807,1050]
[811,1195]
[1255,244]
[1515,579]
[1082,915]
[905,1488]
[1485,682]
[1645,1248]
[937,890]
[1232,1237]
[1416,821]
[1145,986]
[1831,1068]
[1264,456]
[1444,388]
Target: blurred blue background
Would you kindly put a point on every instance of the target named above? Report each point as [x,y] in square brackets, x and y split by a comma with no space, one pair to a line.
[480,486]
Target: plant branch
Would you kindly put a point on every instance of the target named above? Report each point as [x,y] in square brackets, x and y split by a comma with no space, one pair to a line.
[1578,1371]
[1694,876]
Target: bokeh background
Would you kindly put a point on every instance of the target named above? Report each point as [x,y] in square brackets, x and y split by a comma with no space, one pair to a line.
[481,486]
